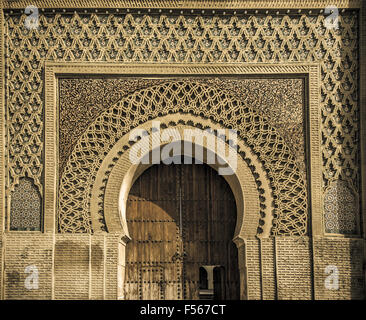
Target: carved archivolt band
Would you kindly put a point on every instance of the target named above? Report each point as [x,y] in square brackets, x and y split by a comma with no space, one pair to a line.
[113,184]
[288,183]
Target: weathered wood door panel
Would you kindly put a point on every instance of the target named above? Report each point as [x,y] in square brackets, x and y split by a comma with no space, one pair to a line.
[180,218]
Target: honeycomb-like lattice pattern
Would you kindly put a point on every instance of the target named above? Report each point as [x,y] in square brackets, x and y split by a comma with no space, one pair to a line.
[279,100]
[202,39]
[289,183]
[26,204]
[340,206]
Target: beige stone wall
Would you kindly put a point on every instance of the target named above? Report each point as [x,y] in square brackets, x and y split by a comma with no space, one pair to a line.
[347,256]
[284,268]
[69,266]
[253,269]
[293,257]
[87,267]
[98,266]
[1,267]
[24,250]
[72,267]
[268,264]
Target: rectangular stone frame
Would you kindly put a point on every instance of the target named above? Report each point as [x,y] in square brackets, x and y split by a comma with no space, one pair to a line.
[180,4]
[54,70]
[363,119]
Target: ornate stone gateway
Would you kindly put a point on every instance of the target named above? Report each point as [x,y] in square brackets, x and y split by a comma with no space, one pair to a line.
[79,78]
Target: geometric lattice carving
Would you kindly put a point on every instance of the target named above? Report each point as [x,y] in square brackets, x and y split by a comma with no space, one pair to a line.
[82,100]
[288,180]
[340,209]
[184,38]
[279,100]
[25,213]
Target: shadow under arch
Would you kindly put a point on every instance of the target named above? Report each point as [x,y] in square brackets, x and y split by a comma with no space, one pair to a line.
[181,215]
[137,170]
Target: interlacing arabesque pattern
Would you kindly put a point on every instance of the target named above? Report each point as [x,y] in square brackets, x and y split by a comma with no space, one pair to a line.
[26,207]
[186,39]
[340,203]
[288,182]
[82,100]
[279,100]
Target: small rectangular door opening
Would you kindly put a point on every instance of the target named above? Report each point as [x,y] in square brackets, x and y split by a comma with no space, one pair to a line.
[212,283]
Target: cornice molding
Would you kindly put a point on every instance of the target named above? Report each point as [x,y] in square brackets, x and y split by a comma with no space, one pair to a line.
[185,4]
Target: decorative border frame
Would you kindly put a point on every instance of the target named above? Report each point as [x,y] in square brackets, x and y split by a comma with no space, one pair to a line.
[54,70]
[363,119]
[2,147]
[186,4]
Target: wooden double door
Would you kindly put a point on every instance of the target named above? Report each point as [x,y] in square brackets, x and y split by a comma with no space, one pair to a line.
[180,218]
